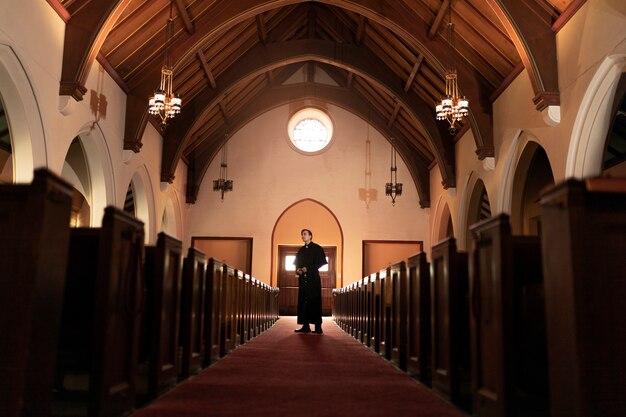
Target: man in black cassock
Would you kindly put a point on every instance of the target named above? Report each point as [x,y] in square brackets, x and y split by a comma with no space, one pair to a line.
[309,259]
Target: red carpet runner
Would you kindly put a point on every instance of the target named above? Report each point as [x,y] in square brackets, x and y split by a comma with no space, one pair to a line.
[281,373]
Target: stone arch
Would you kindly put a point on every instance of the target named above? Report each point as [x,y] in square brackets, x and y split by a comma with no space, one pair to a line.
[100,165]
[472,200]
[321,220]
[144,202]
[28,139]
[171,220]
[587,144]
[532,173]
[443,226]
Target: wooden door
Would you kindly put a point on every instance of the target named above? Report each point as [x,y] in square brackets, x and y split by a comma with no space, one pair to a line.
[288,282]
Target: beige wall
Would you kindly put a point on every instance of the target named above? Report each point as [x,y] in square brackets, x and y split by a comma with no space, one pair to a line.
[269,177]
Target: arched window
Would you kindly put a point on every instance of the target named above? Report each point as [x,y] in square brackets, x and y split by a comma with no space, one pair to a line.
[6,151]
[614,162]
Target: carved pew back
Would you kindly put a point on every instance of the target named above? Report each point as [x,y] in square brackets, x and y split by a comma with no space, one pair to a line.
[103,300]
[450,322]
[584,264]
[34,241]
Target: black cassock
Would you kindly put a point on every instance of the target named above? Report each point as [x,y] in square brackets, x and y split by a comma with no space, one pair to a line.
[312,257]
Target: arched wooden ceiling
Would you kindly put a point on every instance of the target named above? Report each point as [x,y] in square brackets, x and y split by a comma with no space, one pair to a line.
[386,60]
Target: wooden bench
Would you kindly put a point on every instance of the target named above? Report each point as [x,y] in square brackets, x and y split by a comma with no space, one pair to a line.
[212,311]
[419,318]
[103,300]
[584,261]
[450,323]
[163,268]
[34,242]
[509,362]
[192,312]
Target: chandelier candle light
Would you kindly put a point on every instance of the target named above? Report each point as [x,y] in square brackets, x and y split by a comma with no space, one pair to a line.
[164,103]
[452,107]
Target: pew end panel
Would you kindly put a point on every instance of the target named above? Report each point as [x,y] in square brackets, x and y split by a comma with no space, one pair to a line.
[583,243]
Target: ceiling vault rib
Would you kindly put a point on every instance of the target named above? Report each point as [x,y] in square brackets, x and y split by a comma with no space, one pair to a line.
[85,33]
[261,58]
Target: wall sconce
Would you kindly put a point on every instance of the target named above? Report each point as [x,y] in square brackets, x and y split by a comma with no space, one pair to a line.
[393,188]
[222,184]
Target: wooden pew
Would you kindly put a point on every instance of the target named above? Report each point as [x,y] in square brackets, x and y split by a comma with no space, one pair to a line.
[375,312]
[509,363]
[399,313]
[419,310]
[34,241]
[584,245]
[103,300]
[367,311]
[450,323]
[227,337]
[212,311]
[192,312]
[163,284]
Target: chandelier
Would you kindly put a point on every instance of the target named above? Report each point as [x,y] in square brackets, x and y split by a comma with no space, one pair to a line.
[452,107]
[393,188]
[222,184]
[164,103]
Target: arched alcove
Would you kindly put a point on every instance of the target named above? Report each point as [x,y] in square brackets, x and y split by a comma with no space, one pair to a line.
[28,145]
[171,222]
[6,149]
[532,175]
[144,202]
[313,215]
[476,209]
[443,226]
[588,142]
[76,172]
[614,161]
[286,240]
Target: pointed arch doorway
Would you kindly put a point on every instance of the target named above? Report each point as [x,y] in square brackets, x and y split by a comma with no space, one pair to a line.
[327,232]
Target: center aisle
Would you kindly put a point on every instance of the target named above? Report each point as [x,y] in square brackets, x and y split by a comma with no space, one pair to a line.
[282,373]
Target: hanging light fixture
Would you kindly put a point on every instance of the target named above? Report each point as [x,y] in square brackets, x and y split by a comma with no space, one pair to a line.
[452,107]
[393,189]
[222,184]
[164,103]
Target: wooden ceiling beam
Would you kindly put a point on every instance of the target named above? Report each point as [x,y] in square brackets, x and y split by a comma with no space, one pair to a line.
[533,37]
[261,28]
[416,68]
[263,58]
[85,32]
[360,31]
[394,114]
[184,17]
[434,28]
[207,70]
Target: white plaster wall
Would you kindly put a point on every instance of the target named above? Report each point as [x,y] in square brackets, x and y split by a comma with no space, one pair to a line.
[269,176]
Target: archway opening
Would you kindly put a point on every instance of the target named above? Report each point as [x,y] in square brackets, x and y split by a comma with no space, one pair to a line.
[533,174]
[479,209]
[286,240]
[76,172]
[6,150]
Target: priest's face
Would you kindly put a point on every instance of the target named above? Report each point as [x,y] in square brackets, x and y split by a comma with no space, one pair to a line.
[306,237]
